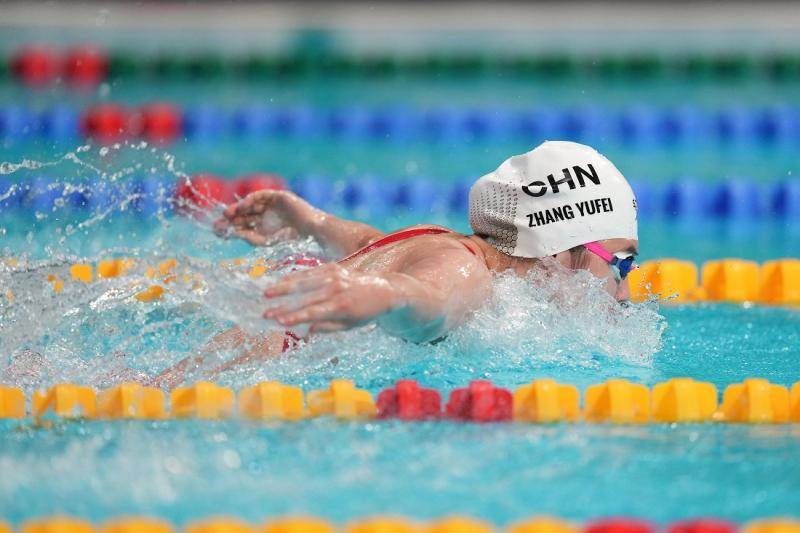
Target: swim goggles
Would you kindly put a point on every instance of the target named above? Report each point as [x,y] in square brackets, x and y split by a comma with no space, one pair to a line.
[621,263]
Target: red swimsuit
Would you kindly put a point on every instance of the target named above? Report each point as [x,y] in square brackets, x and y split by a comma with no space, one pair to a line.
[400,236]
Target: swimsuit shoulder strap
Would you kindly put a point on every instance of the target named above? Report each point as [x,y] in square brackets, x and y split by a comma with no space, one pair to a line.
[396,237]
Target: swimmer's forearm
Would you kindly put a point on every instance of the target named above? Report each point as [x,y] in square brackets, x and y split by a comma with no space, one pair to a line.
[435,294]
[341,237]
[418,311]
[264,215]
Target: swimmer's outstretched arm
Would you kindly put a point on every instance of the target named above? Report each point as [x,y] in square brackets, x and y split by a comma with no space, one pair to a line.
[253,349]
[432,292]
[263,216]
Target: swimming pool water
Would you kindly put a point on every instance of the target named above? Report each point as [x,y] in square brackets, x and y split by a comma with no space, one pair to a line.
[340,470]
[183,470]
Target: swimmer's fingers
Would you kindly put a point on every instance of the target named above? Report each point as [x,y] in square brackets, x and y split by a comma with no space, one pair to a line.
[223,228]
[255,203]
[284,307]
[306,280]
[322,312]
[327,326]
[249,205]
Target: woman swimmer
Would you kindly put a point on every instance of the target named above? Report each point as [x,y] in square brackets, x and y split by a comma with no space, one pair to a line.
[561,199]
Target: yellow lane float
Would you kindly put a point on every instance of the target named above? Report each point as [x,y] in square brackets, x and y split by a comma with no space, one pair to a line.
[202,400]
[137,525]
[342,400]
[65,400]
[544,400]
[780,282]
[12,402]
[298,524]
[220,525]
[755,401]
[668,279]
[271,400]
[57,524]
[131,400]
[684,400]
[543,525]
[459,524]
[381,524]
[617,401]
[731,280]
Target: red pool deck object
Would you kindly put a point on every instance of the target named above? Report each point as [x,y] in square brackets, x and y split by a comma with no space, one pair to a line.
[619,525]
[408,401]
[159,123]
[106,123]
[480,402]
[85,65]
[702,525]
[258,182]
[36,65]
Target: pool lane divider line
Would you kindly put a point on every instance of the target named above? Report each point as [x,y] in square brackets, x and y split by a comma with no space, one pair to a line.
[164,123]
[41,66]
[670,281]
[396,524]
[688,200]
[616,401]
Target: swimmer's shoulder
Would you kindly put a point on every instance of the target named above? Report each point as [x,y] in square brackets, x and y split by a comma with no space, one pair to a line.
[447,239]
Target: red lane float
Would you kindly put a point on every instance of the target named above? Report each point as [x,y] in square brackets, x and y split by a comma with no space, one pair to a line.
[85,66]
[702,525]
[159,123]
[481,401]
[408,401]
[619,525]
[106,123]
[36,65]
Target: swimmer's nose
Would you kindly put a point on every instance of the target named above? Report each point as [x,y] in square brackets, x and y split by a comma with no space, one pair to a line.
[623,291]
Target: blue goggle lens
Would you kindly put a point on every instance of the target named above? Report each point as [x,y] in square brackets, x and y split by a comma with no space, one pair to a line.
[624,266]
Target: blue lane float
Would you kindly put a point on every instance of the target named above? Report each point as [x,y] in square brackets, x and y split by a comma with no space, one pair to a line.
[785,200]
[17,122]
[687,199]
[59,123]
[632,125]
[740,199]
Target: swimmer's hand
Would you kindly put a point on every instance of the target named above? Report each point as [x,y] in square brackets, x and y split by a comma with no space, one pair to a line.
[269,216]
[330,298]
[265,216]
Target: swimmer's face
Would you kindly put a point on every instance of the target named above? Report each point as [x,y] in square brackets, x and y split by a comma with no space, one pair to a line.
[600,268]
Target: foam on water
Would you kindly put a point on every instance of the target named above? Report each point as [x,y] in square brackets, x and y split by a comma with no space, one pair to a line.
[99,334]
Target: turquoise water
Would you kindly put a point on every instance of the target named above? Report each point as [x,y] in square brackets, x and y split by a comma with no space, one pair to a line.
[182,470]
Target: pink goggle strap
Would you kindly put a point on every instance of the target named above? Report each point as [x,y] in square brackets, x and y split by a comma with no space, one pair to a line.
[598,250]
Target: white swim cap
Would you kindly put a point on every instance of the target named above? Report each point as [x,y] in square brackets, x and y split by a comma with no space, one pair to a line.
[557,196]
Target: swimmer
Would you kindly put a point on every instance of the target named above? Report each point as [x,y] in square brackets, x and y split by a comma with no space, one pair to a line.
[562,200]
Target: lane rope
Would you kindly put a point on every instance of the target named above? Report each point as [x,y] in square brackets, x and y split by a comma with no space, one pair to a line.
[616,401]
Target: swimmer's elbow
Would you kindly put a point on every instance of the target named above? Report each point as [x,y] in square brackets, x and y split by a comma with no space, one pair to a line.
[411,330]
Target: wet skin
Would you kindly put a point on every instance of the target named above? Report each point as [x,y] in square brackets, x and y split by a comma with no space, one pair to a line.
[417,289]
